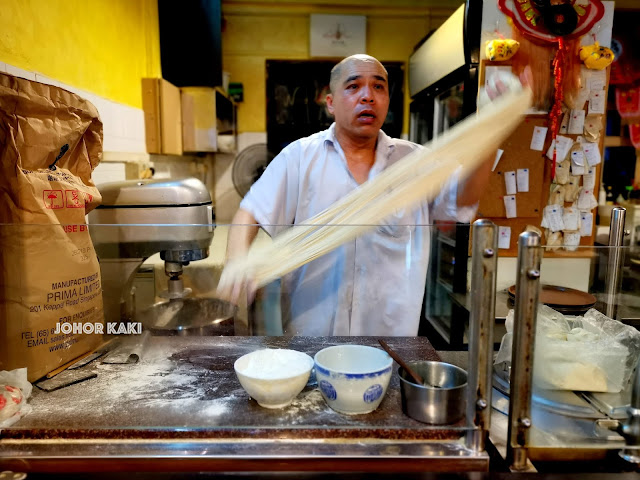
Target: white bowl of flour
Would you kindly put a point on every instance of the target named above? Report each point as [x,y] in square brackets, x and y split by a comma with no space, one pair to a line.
[273,377]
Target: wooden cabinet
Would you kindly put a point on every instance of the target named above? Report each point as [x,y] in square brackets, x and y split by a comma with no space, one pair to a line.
[162,116]
[208,120]
[188,119]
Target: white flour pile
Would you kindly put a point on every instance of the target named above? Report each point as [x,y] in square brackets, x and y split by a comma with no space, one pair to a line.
[274,363]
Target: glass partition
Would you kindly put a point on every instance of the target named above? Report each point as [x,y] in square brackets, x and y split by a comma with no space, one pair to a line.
[163,355]
[175,341]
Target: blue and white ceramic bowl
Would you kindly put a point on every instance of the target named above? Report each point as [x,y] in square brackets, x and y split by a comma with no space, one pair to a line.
[353,379]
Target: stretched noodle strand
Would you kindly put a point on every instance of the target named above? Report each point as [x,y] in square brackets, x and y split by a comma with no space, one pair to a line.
[416,178]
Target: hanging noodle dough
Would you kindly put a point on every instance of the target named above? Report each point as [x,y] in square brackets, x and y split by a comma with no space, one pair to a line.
[417,177]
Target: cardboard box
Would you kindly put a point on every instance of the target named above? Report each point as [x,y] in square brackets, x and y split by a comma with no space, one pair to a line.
[162,116]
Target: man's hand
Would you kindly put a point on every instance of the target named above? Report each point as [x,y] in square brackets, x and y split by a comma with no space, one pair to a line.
[234,279]
[501,82]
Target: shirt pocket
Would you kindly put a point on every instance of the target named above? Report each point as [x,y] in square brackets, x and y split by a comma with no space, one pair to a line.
[400,225]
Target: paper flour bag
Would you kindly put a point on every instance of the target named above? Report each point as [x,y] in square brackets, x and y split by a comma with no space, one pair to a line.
[50,142]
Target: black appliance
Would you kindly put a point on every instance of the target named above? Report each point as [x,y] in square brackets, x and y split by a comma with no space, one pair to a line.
[443,74]
[191,42]
[296,107]
[443,83]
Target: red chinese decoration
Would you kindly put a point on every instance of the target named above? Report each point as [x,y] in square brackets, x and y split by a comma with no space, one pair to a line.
[542,22]
[628,102]
[558,26]
[558,95]
[634,134]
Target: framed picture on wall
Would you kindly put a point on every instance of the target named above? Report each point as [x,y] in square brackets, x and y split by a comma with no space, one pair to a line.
[337,35]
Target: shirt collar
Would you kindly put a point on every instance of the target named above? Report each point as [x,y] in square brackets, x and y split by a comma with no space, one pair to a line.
[385,143]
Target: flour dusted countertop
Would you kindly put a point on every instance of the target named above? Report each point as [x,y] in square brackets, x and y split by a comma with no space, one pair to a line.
[189,383]
[182,409]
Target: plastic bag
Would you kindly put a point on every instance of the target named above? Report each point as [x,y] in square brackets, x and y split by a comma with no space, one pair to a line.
[591,353]
[14,391]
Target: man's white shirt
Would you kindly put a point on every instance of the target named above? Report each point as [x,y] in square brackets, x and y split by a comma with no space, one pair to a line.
[373,285]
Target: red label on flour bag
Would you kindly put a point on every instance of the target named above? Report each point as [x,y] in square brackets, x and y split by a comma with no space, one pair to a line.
[50,142]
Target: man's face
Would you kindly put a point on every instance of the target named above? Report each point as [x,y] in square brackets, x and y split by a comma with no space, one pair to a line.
[361,99]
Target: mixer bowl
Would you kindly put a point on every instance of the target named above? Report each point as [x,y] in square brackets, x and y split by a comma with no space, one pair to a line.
[189,316]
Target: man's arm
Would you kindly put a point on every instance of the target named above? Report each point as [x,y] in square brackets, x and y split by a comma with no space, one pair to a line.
[470,191]
[243,230]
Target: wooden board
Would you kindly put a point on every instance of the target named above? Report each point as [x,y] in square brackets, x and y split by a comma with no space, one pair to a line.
[162,116]
[151,107]
[170,118]
[529,205]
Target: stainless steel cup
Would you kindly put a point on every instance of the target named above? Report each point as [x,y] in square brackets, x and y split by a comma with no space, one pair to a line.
[441,400]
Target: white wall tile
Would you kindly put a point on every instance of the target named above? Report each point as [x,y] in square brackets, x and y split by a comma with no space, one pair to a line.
[247,139]
[99,103]
[113,143]
[91,98]
[72,89]
[128,120]
[131,145]
[123,125]
[117,144]
[88,96]
[110,143]
[48,80]
[19,72]
[119,117]
[104,109]
[44,79]
[109,172]
[136,124]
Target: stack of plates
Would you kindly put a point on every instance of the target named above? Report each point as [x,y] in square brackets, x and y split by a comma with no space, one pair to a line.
[568,301]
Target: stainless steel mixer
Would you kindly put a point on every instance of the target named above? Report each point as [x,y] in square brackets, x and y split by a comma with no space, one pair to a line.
[140,218]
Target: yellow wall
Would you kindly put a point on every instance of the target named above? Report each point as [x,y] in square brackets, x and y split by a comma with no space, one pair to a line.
[102,46]
[259,31]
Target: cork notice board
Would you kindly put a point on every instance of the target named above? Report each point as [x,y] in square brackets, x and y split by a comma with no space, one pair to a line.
[529,205]
[517,155]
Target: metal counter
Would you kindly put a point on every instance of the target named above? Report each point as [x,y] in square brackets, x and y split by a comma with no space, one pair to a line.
[181,408]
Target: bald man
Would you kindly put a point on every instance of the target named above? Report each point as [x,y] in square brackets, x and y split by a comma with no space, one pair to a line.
[373,285]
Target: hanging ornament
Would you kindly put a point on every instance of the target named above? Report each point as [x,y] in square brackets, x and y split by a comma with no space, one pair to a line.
[596,57]
[501,49]
[560,19]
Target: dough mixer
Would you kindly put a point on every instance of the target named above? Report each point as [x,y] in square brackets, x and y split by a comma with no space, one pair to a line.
[139,218]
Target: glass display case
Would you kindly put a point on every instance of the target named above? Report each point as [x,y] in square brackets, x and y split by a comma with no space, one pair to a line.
[155,378]
[158,383]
